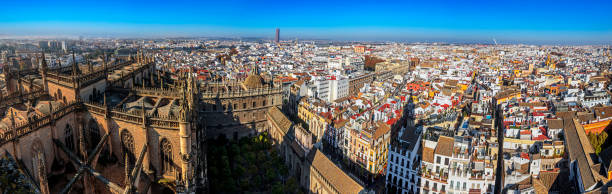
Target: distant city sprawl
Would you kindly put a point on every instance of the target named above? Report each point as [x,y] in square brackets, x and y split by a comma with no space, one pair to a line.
[225,115]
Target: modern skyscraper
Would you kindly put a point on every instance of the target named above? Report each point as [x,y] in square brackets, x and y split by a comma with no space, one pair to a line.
[277,37]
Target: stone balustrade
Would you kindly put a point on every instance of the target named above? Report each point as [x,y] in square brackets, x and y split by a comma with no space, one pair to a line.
[126,116]
[245,93]
[34,124]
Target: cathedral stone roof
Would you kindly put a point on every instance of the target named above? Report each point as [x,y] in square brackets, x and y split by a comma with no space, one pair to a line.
[339,180]
[45,106]
[137,105]
[580,150]
[172,109]
[253,81]
[280,119]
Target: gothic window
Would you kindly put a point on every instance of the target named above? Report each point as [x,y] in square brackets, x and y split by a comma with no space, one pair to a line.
[254,104]
[244,105]
[166,156]
[69,138]
[94,134]
[127,145]
[264,103]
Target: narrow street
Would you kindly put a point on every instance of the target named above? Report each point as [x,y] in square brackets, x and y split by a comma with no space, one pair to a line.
[499,172]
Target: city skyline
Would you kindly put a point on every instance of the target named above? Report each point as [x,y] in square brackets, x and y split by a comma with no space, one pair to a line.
[544,22]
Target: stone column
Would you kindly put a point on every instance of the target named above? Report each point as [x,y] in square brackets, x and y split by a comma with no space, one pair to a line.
[185,154]
[146,160]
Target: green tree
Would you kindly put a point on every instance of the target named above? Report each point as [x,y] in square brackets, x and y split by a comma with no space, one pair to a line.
[278,188]
[292,186]
[247,165]
[597,140]
[11,180]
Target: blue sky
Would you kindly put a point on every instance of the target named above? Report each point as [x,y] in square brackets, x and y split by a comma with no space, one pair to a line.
[510,21]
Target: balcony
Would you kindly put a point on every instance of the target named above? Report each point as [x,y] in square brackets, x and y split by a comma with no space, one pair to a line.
[436,177]
[362,162]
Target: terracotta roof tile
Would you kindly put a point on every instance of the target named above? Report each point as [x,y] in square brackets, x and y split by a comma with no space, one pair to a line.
[428,154]
[445,146]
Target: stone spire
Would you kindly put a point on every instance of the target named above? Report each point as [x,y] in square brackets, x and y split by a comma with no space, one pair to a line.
[137,57]
[74,65]
[104,67]
[43,70]
[42,62]
[6,60]
[13,118]
[144,114]
[89,66]
[142,60]
[75,82]
[184,106]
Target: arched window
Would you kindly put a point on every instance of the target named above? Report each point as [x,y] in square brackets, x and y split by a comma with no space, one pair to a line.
[166,157]
[127,145]
[69,138]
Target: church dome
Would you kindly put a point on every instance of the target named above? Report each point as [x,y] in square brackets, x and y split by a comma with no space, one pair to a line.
[253,81]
